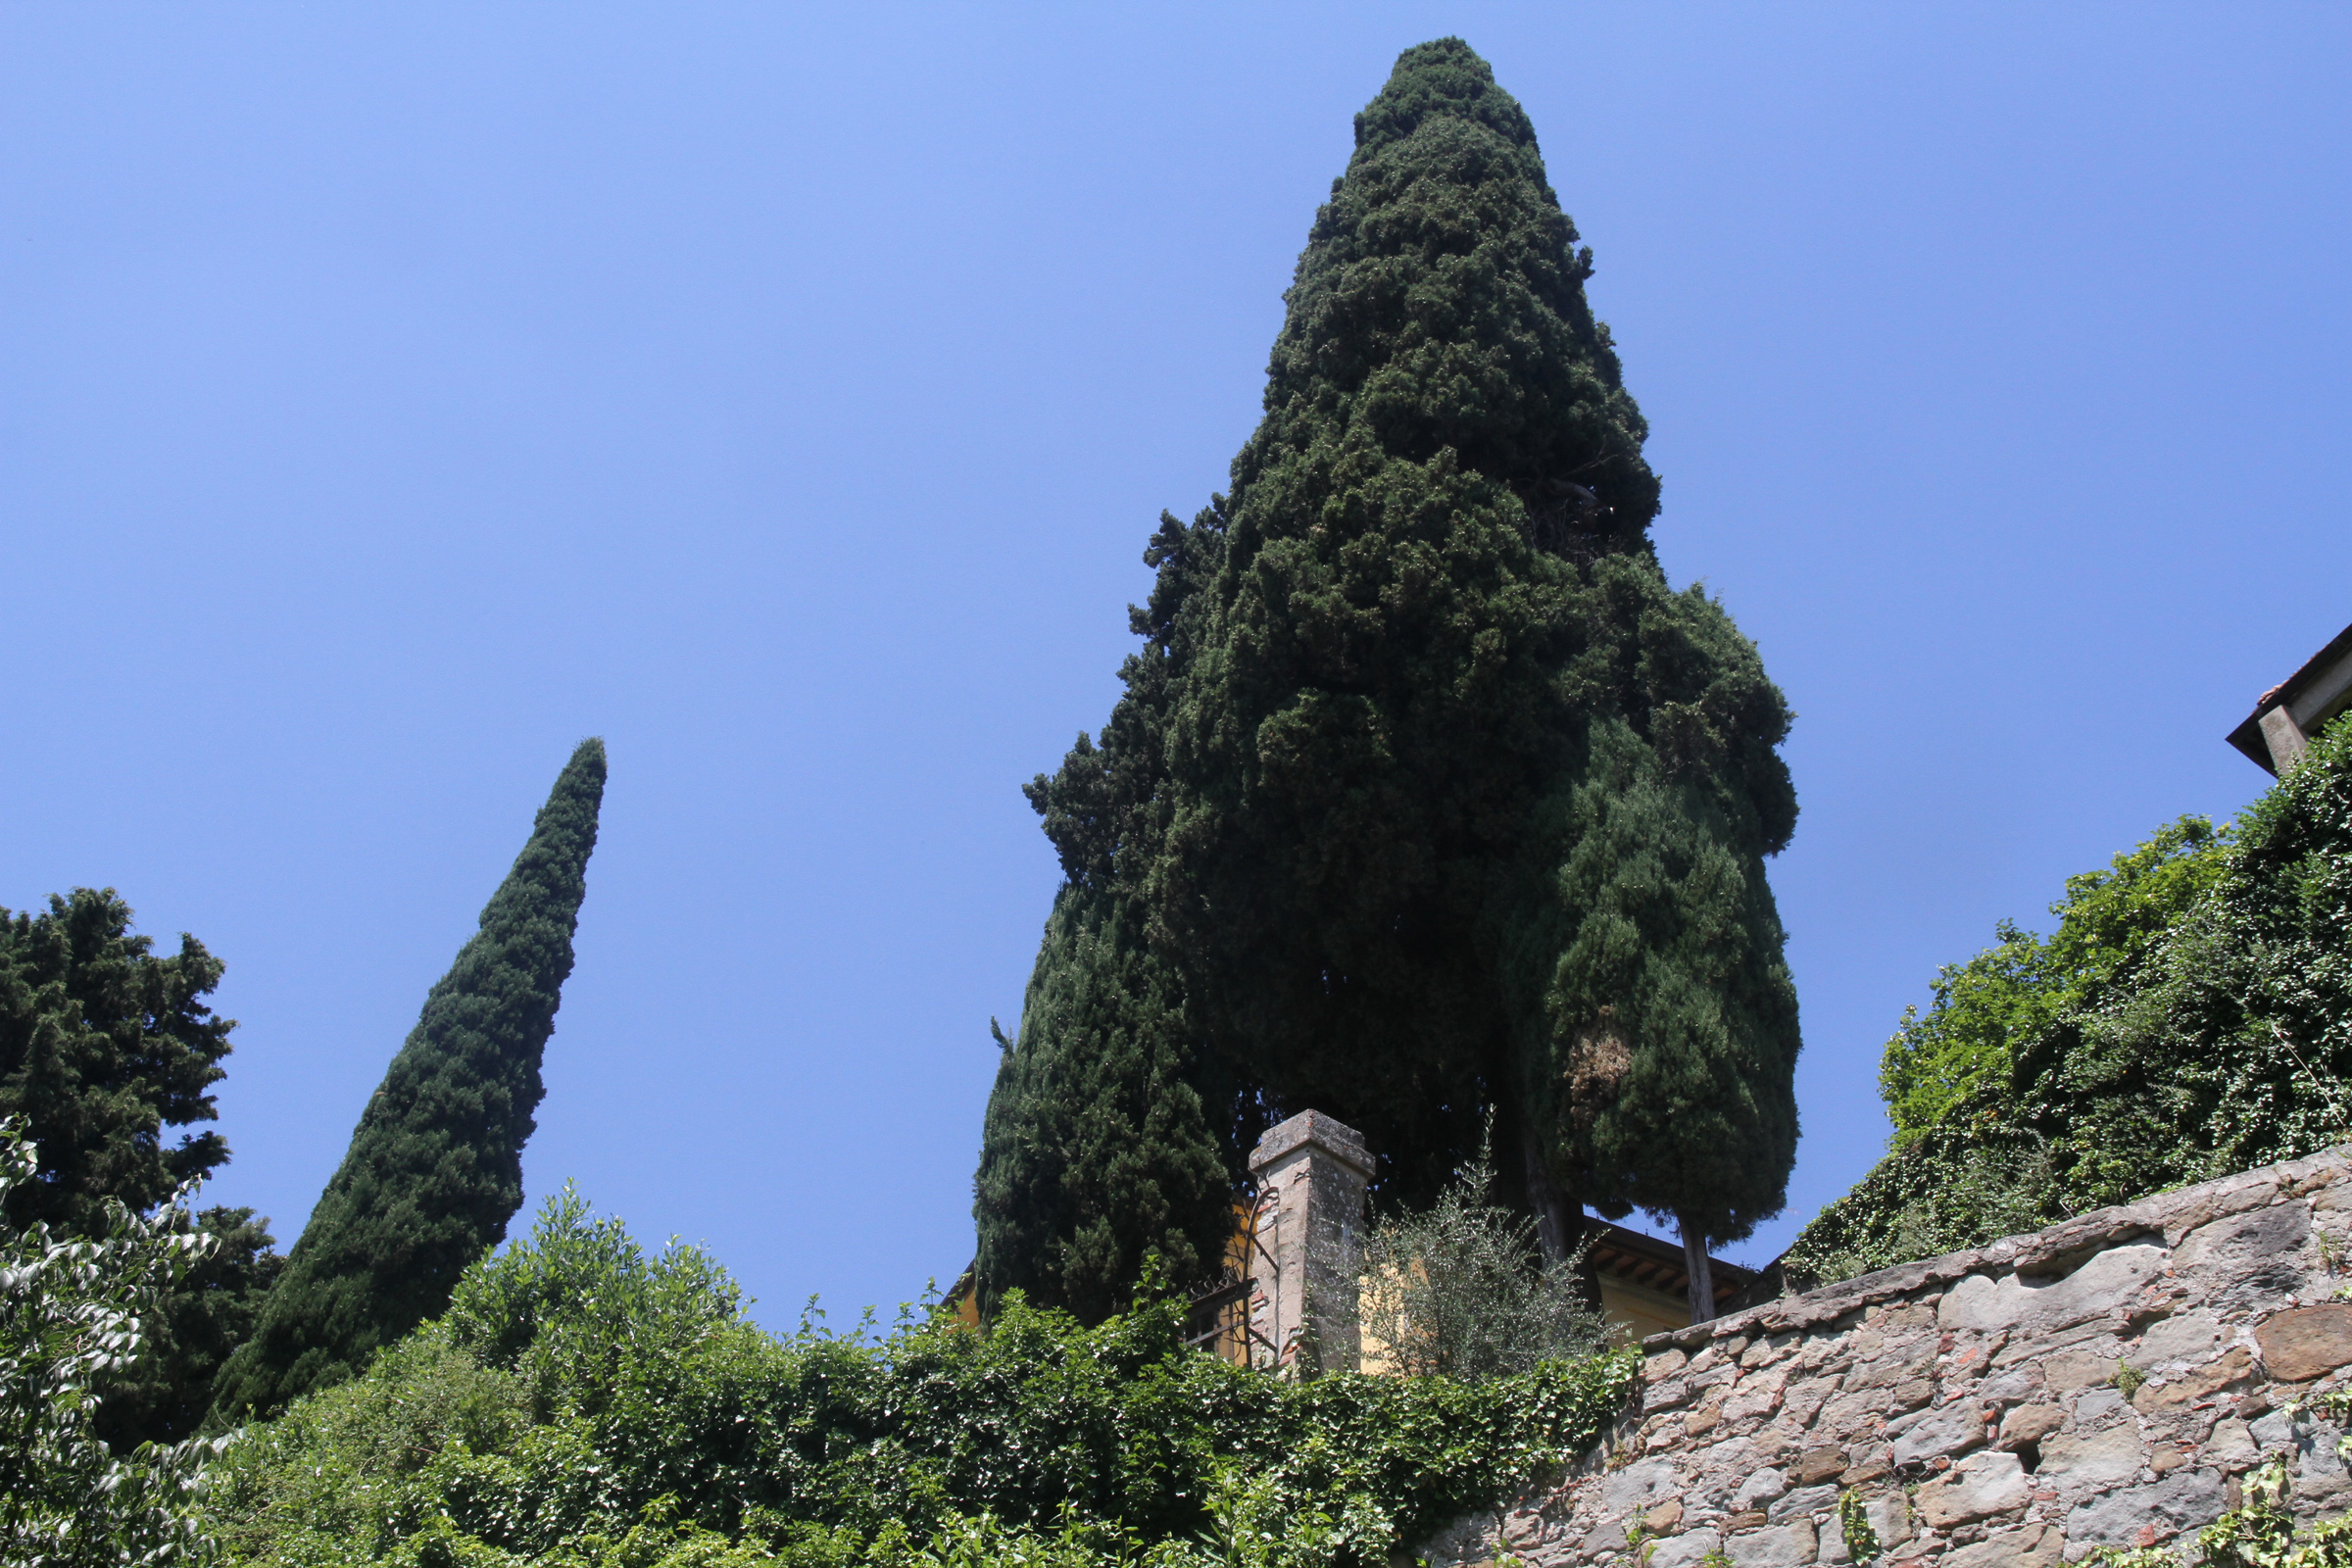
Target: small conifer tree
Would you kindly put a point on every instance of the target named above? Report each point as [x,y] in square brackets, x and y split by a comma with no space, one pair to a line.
[434,1171]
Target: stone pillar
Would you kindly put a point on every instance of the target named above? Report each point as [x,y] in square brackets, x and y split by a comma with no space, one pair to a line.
[2284,737]
[1312,1173]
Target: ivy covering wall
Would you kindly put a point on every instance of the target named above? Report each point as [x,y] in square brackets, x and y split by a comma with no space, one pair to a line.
[2189,1017]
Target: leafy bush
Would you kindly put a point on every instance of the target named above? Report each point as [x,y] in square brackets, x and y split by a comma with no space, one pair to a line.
[583,1403]
[2190,1016]
[73,1315]
[1461,1290]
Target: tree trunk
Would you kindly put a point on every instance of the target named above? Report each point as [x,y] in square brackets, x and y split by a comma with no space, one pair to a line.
[1553,1231]
[1702,1274]
[1559,1224]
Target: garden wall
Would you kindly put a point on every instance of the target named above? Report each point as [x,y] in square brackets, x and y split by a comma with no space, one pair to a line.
[2106,1383]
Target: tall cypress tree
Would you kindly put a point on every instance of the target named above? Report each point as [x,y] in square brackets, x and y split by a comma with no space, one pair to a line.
[434,1171]
[1442,800]
[1466,807]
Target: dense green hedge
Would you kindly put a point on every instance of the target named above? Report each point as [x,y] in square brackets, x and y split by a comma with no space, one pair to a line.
[2190,1016]
[583,1403]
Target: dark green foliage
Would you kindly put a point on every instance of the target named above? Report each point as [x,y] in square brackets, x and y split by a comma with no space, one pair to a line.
[102,1046]
[1433,796]
[578,1390]
[2191,1016]
[1098,1145]
[208,1311]
[1378,709]
[434,1171]
[1112,1131]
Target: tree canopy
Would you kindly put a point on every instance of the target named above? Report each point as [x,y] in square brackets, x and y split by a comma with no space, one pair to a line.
[434,1171]
[1430,794]
[104,1044]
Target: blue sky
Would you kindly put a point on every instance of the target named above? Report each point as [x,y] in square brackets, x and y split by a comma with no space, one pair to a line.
[395,394]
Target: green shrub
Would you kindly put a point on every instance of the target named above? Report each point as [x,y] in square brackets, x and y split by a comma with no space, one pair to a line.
[2190,1016]
[74,1316]
[1461,1290]
[583,1403]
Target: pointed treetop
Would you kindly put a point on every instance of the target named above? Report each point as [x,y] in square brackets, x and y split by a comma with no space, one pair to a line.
[434,1171]
[1443,76]
[1439,306]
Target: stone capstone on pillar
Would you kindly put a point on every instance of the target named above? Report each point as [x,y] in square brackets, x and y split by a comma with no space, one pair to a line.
[1312,1172]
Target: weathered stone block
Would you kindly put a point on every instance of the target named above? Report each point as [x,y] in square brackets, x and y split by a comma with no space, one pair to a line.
[1979,1487]
[1912,1394]
[2096,1407]
[2013,1387]
[1852,1413]
[1800,1402]
[2070,1370]
[1824,1463]
[2180,1501]
[1757,1397]
[1672,1394]
[2234,1367]
[1949,1428]
[1685,1551]
[2306,1342]
[2188,1340]
[2232,1445]
[1637,1485]
[2026,1547]
[2080,1463]
[1804,1503]
[1898,1364]
[2027,1306]
[2031,1423]
[2260,1250]
[1773,1546]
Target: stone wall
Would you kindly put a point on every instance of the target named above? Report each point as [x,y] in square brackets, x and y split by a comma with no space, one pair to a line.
[2106,1382]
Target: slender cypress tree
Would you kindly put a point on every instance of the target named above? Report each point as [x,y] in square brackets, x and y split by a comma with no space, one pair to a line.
[434,1171]
[1443,799]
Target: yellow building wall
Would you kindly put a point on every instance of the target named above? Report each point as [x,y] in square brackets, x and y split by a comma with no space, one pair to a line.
[1636,1311]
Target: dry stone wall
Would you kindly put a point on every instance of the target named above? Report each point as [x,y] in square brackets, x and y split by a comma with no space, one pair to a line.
[2109,1382]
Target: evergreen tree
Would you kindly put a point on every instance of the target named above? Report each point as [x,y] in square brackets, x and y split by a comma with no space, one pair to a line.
[1465,806]
[211,1309]
[103,1044]
[1111,1133]
[434,1171]
[1432,795]
[1100,1145]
